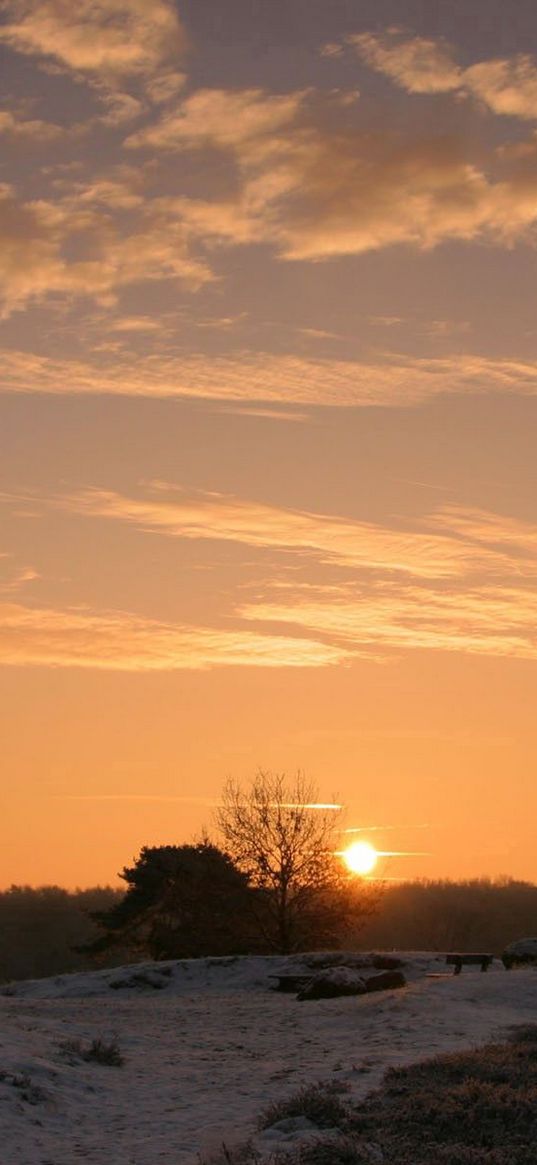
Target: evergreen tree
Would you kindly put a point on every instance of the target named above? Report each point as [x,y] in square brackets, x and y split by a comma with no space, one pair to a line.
[181,902]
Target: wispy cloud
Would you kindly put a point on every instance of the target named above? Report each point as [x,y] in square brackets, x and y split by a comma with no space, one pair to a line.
[394,379]
[483,620]
[14,578]
[136,324]
[120,641]
[455,580]
[329,539]
[501,533]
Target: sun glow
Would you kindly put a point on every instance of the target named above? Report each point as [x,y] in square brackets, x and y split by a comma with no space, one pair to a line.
[360,857]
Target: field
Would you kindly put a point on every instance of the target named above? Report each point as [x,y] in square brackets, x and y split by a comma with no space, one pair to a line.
[160,1064]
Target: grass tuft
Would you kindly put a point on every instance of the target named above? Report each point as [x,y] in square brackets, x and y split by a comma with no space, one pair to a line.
[320,1103]
[99,1051]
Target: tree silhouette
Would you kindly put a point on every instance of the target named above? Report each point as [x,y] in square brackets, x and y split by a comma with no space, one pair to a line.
[181,902]
[284,842]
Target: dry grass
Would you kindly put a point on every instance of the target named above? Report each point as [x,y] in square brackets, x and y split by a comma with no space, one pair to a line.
[99,1051]
[468,1108]
[320,1103]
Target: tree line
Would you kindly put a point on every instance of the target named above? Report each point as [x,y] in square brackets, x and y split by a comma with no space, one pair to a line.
[49,930]
[480,914]
[42,929]
[272,882]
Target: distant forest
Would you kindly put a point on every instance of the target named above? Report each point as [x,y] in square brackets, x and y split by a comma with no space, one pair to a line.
[479,915]
[41,929]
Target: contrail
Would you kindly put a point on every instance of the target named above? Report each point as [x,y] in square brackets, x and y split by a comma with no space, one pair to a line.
[399,853]
[307,805]
[381,828]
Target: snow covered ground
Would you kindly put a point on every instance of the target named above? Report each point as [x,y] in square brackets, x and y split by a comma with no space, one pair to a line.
[208,1050]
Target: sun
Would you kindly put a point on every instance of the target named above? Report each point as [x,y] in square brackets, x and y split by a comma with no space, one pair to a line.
[360,857]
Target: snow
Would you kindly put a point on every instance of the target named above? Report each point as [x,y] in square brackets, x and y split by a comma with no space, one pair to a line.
[208,1044]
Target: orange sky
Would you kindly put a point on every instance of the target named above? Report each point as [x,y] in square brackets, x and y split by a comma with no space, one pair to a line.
[267,425]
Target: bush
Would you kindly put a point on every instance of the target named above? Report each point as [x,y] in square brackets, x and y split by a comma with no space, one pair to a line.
[321,1103]
[26,1089]
[98,1052]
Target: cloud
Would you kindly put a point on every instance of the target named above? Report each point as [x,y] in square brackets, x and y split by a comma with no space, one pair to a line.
[314,185]
[504,534]
[119,107]
[302,179]
[14,579]
[507,86]
[417,64]
[394,380]
[107,254]
[328,539]
[458,580]
[30,262]
[119,189]
[29,130]
[355,192]
[136,324]
[112,37]
[492,621]
[165,86]
[222,117]
[490,607]
[119,641]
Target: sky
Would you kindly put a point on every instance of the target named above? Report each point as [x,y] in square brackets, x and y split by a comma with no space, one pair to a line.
[268,416]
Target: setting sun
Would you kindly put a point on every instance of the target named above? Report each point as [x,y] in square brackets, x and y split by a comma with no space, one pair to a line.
[360,857]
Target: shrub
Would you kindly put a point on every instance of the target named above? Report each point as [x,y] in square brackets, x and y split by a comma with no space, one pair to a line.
[321,1103]
[27,1090]
[99,1051]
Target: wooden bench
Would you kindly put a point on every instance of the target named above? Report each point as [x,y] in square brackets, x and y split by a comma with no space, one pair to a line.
[465,960]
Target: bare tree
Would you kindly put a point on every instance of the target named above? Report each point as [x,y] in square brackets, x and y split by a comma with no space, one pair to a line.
[278,834]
